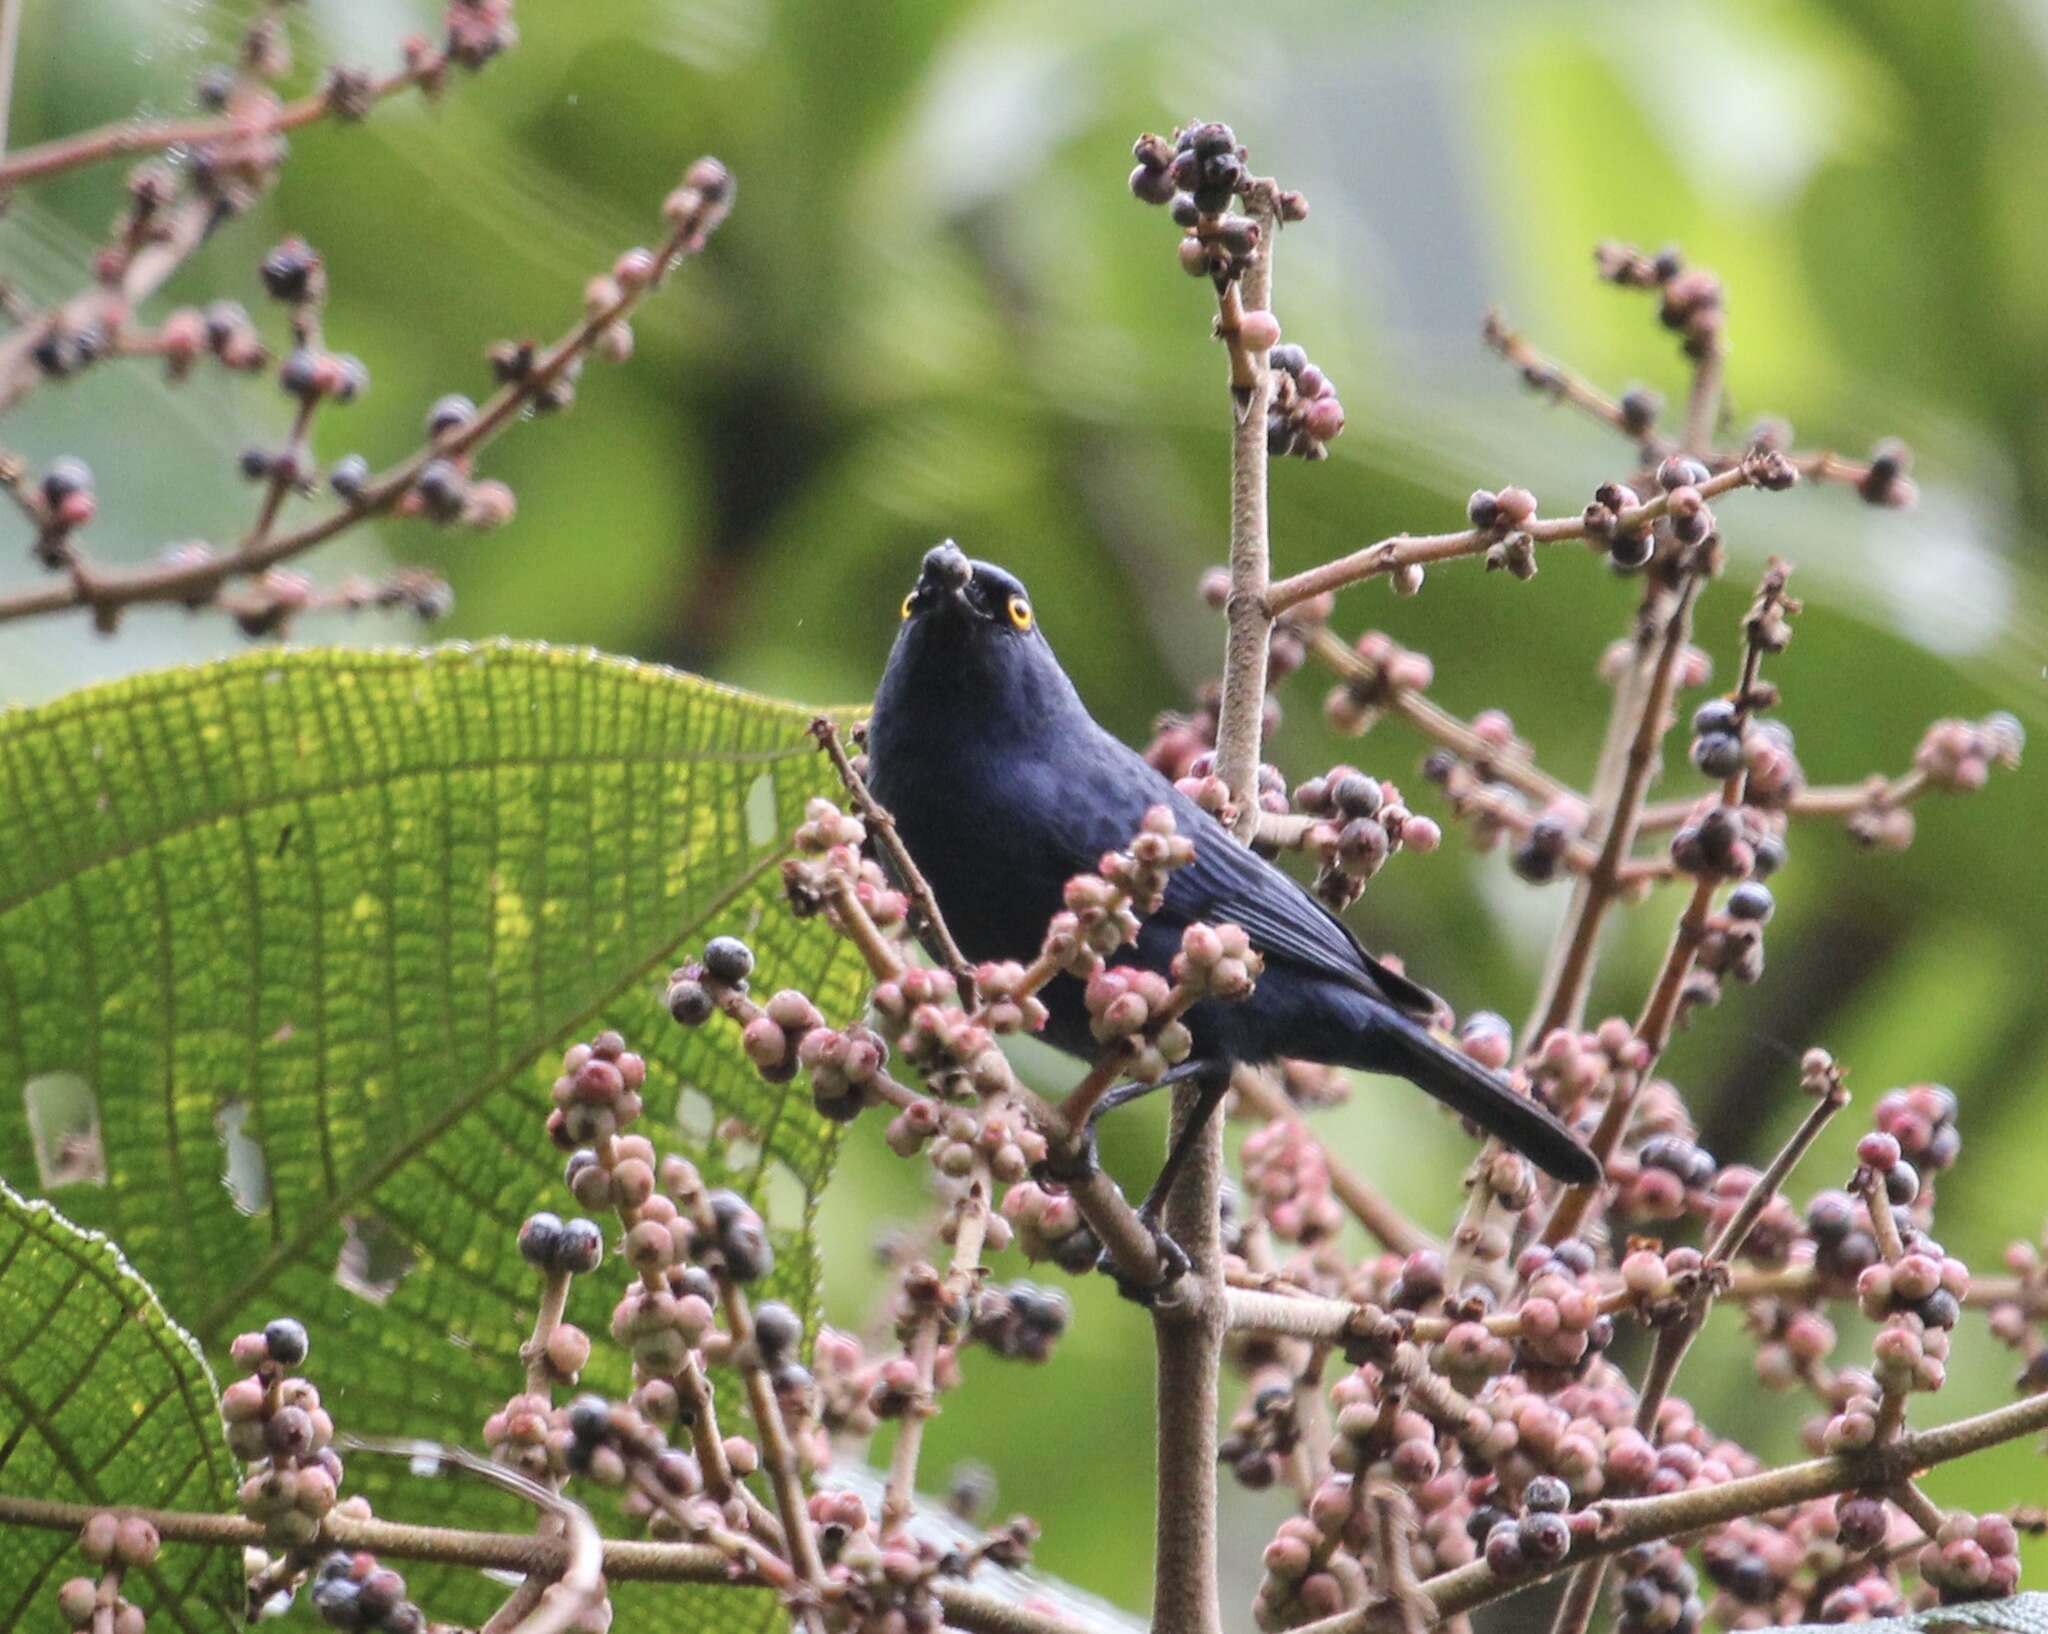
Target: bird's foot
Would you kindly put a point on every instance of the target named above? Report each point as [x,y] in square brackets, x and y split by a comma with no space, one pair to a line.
[1075,1166]
[1173,1265]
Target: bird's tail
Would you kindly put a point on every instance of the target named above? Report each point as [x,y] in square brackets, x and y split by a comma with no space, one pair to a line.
[1471,1091]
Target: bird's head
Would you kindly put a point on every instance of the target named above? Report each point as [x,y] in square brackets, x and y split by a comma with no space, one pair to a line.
[970,640]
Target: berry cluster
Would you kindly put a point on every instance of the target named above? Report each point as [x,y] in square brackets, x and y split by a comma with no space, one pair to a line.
[276,1425]
[1020,1321]
[1304,416]
[1385,671]
[1360,821]
[351,1591]
[116,1544]
[1688,298]
[598,1092]
[1958,755]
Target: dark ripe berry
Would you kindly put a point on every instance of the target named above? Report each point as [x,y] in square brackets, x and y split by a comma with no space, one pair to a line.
[225,320]
[284,1338]
[1576,1255]
[300,373]
[1750,901]
[381,1594]
[777,1329]
[1357,795]
[335,1599]
[1151,186]
[66,476]
[352,378]
[690,1003]
[1770,856]
[1504,1550]
[1831,1216]
[1546,1494]
[1289,357]
[254,463]
[1940,1309]
[1639,409]
[1482,510]
[1546,1538]
[287,271]
[449,413]
[1630,550]
[1860,1521]
[1480,1523]
[289,1432]
[442,488]
[728,959]
[1716,717]
[1640,1598]
[1184,210]
[590,1419]
[1902,1182]
[213,88]
[580,1247]
[350,476]
[1680,471]
[540,1239]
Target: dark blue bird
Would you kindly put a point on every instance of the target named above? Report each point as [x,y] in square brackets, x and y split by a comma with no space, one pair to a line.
[1003,788]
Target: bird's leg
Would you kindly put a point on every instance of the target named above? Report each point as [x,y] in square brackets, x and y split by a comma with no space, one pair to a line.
[1078,1166]
[1213,1077]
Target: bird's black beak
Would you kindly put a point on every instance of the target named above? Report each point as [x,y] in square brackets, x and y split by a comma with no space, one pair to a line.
[945,577]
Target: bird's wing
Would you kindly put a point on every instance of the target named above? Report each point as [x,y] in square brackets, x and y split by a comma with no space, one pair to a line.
[1228,883]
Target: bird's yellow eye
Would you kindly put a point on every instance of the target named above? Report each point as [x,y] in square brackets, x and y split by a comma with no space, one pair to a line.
[907,600]
[1020,613]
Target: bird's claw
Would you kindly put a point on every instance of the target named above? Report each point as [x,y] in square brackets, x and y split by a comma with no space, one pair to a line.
[1076,1165]
[1173,1265]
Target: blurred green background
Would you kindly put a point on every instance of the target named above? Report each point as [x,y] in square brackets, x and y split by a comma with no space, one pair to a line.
[936,311]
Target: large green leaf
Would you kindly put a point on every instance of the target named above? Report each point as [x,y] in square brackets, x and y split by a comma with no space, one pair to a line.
[102,1398]
[305,935]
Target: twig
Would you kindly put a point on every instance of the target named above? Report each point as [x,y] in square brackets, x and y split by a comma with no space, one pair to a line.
[882,826]
[1241,712]
[128,138]
[1404,549]
[1188,1330]
[582,1574]
[196,581]
[622,1560]
[899,1498]
[1547,375]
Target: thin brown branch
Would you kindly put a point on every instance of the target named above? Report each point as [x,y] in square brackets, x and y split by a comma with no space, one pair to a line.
[963,1276]
[195,581]
[882,827]
[129,138]
[1405,549]
[624,1560]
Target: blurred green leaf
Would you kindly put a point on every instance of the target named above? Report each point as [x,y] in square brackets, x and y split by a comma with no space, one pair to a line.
[103,1398]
